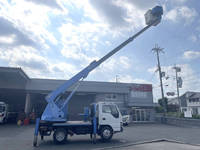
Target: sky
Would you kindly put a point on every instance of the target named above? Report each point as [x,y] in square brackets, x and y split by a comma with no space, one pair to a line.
[56,39]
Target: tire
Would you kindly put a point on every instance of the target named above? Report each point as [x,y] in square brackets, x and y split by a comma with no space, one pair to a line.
[106,133]
[4,121]
[125,124]
[60,136]
[42,137]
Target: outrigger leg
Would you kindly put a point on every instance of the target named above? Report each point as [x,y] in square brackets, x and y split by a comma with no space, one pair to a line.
[36,132]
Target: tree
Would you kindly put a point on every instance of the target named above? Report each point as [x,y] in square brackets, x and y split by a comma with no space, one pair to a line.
[163,103]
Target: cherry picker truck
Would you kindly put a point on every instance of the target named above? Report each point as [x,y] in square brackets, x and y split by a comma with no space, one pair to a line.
[101,118]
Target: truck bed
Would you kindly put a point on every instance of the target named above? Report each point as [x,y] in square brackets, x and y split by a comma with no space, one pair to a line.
[77,127]
[74,123]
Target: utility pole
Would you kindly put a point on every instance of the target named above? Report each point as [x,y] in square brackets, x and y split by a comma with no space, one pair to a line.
[117,79]
[177,69]
[157,50]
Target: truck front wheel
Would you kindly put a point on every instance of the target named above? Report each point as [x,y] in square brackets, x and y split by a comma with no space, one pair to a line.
[106,133]
[60,136]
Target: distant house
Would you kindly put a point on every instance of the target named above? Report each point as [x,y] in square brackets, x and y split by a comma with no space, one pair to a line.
[189,103]
[173,101]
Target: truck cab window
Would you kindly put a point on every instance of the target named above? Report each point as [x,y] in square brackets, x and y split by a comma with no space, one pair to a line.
[111,109]
[106,109]
[114,111]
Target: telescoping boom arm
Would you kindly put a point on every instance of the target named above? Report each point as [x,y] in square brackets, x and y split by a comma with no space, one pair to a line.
[56,109]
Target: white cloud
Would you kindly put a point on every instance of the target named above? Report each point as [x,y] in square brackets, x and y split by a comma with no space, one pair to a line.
[111,12]
[108,43]
[51,3]
[36,65]
[143,4]
[88,10]
[63,70]
[26,57]
[119,15]
[125,61]
[172,15]
[152,70]
[79,41]
[115,65]
[198,26]
[181,14]
[29,21]
[7,39]
[191,55]
[179,2]
[125,78]
[193,38]
[13,36]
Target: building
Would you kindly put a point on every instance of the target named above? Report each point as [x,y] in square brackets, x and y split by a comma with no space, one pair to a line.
[189,103]
[22,92]
[173,101]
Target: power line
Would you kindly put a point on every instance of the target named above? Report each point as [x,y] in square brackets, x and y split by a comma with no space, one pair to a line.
[192,75]
[184,79]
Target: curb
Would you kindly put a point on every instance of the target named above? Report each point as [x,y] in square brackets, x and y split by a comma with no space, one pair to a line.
[146,142]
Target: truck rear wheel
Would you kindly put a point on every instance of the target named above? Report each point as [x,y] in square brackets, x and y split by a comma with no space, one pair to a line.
[60,136]
[106,134]
[42,137]
[4,120]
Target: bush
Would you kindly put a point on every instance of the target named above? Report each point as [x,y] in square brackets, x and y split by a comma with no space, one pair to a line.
[172,108]
[159,109]
[196,116]
[181,115]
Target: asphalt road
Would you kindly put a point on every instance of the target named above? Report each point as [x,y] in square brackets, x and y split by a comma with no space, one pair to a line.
[13,137]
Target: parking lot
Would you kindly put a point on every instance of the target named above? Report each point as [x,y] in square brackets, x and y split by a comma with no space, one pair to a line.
[13,137]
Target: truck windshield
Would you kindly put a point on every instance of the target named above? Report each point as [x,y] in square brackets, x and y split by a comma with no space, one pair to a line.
[110,109]
[2,108]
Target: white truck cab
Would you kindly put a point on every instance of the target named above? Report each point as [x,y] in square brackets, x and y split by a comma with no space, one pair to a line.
[3,112]
[109,115]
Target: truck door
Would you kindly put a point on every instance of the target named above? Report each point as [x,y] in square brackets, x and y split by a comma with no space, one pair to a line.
[110,116]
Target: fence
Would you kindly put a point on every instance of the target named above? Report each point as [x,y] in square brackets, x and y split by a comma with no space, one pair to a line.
[186,122]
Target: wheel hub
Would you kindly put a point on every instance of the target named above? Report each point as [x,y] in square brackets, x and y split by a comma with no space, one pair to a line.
[60,136]
[106,133]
